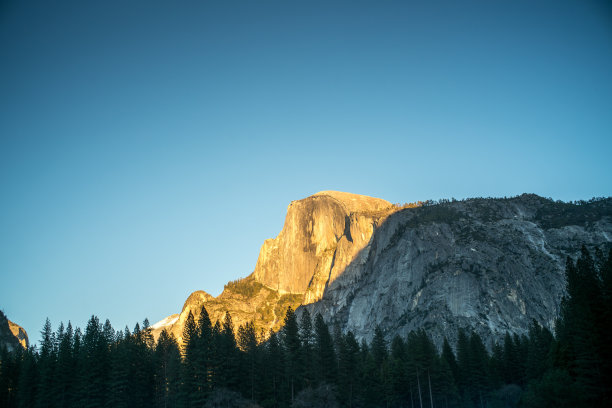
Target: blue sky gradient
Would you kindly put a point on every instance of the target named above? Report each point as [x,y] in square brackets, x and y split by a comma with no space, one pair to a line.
[148,148]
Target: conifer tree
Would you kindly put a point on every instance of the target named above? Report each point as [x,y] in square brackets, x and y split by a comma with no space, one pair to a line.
[307,348]
[348,373]
[189,366]
[293,357]
[274,368]
[247,341]
[94,364]
[27,388]
[203,352]
[46,367]
[325,355]
[66,366]
[167,371]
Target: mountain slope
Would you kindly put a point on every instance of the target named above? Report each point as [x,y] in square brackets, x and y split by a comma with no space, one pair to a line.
[485,264]
[12,335]
[492,265]
[321,235]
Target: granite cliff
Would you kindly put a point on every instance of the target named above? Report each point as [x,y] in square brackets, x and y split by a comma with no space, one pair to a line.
[12,335]
[321,236]
[492,265]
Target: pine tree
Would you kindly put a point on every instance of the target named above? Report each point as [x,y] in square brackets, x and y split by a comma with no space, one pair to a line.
[539,343]
[399,384]
[325,355]
[464,367]
[66,366]
[9,376]
[202,357]
[27,388]
[247,341]
[291,345]
[94,366]
[307,348]
[449,356]
[274,368]
[348,373]
[189,366]
[167,359]
[478,366]
[46,367]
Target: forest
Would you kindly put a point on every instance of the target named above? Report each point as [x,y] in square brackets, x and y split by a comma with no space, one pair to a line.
[309,364]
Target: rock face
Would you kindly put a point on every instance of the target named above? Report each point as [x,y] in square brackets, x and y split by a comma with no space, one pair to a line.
[12,335]
[322,234]
[492,265]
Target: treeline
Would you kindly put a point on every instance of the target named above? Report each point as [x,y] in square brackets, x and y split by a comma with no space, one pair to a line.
[308,365]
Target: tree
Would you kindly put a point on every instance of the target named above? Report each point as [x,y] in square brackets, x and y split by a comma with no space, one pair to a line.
[325,355]
[247,342]
[46,367]
[348,373]
[203,345]
[167,359]
[293,357]
[307,344]
[189,366]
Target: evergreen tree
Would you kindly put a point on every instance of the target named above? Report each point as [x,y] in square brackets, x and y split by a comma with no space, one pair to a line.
[325,355]
[247,341]
[539,343]
[399,384]
[227,353]
[94,366]
[293,356]
[478,368]
[27,388]
[66,366]
[9,376]
[167,360]
[46,368]
[464,382]
[189,366]
[307,348]
[449,357]
[348,373]
[274,368]
[202,357]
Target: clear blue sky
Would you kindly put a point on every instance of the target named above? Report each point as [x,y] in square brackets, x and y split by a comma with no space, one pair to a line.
[148,148]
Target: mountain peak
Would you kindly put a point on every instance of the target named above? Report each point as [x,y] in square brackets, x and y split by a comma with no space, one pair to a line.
[355,202]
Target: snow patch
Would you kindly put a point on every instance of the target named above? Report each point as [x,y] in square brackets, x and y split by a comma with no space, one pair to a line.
[168,321]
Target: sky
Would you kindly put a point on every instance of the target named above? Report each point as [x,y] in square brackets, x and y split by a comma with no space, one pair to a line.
[147,149]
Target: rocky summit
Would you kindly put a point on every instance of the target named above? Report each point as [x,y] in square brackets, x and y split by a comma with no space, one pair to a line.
[489,265]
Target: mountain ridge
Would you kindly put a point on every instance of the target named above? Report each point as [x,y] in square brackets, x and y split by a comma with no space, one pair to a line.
[332,258]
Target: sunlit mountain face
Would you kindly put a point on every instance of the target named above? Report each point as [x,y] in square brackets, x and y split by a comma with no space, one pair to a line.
[489,265]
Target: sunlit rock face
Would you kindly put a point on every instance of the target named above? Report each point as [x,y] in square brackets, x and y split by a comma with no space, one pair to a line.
[491,265]
[322,235]
[12,335]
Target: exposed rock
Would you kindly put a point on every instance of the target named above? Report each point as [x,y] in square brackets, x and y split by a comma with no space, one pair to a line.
[492,265]
[12,335]
[322,234]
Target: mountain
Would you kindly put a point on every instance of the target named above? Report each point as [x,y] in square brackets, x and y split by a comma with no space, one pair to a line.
[321,236]
[491,265]
[11,334]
